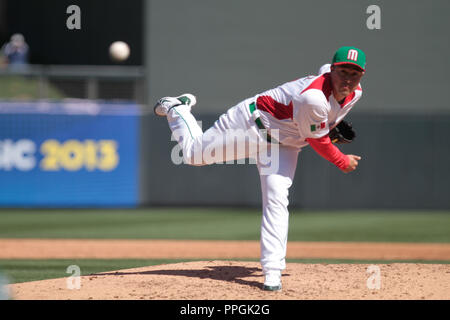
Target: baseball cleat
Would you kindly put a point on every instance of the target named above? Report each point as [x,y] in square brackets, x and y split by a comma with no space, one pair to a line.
[272,288]
[272,281]
[163,105]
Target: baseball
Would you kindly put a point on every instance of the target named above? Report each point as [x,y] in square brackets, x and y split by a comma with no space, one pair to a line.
[119,51]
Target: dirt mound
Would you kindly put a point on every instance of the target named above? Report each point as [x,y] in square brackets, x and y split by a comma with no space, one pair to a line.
[237,280]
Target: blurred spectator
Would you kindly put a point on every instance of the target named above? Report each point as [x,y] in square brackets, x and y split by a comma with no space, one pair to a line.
[15,52]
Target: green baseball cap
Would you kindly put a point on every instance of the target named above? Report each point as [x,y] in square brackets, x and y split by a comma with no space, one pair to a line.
[350,55]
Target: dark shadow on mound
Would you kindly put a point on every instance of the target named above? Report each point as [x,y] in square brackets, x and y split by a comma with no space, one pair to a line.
[223,273]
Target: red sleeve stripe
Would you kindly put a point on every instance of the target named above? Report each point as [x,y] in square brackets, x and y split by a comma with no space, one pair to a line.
[329,151]
[277,109]
[348,99]
[322,83]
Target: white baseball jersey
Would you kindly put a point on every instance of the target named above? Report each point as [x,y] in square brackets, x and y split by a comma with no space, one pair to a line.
[303,108]
[300,109]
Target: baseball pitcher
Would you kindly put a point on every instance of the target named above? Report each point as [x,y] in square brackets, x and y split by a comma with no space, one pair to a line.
[278,122]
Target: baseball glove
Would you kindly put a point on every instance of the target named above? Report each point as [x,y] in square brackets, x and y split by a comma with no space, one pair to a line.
[342,133]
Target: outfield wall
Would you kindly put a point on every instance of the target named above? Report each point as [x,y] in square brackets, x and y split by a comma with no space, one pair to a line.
[404,165]
[92,154]
[69,154]
[226,51]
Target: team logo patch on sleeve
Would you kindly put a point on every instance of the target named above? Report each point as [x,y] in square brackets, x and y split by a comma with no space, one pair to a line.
[315,127]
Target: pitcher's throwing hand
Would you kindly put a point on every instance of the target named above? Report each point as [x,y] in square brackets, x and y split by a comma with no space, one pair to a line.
[353,163]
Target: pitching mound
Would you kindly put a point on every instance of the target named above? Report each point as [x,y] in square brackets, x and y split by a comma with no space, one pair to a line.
[237,280]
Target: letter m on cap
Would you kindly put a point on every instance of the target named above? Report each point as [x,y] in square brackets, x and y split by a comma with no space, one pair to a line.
[352,55]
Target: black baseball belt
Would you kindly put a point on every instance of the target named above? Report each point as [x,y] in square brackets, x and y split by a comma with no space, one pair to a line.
[252,107]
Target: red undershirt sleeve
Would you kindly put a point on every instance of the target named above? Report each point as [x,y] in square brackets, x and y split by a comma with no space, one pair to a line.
[329,151]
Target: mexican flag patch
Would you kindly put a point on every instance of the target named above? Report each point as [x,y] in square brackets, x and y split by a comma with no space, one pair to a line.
[315,127]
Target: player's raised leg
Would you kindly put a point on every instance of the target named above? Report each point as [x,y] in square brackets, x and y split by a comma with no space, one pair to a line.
[233,136]
[183,124]
[275,220]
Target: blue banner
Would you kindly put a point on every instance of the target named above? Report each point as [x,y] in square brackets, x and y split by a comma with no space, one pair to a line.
[71,154]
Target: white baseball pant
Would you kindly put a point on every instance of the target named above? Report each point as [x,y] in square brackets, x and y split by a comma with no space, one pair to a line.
[236,131]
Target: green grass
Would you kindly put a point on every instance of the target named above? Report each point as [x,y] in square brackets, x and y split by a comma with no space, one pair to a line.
[206,224]
[24,270]
[372,226]
[17,87]
[225,224]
